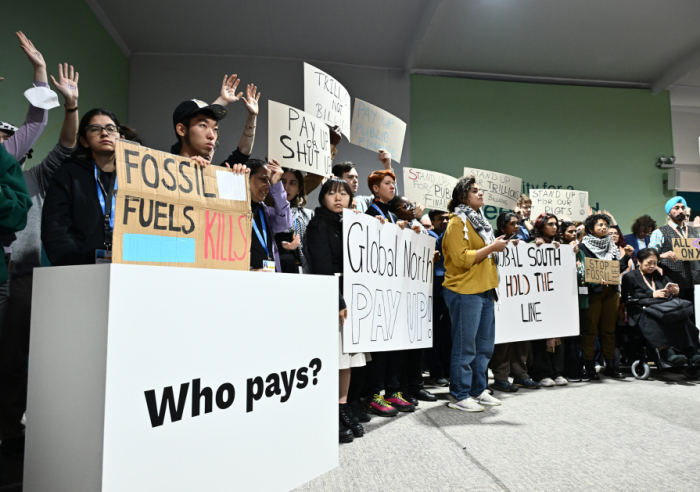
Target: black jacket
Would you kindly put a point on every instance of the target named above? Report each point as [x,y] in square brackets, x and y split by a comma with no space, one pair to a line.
[72,222]
[388,215]
[637,295]
[324,246]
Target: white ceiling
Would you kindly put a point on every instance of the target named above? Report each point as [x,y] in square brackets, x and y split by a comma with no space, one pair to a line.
[649,43]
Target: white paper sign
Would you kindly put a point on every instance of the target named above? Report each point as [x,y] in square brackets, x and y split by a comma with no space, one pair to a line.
[537,293]
[500,190]
[432,189]
[327,99]
[374,129]
[571,204]
[298,140]
[387,286]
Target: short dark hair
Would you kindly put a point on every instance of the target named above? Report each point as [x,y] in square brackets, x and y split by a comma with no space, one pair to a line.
[643,222]
[592,220]
[85,152]
[565,224]
[342,168]
[176,148]
[300,199]
[461,191]
[129,133]
[334,184]
[255,164]
[645,253]
[504,219]
[394,202]
[434,213]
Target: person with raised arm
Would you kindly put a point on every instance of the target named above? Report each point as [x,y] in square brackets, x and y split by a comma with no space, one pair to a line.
[347,171]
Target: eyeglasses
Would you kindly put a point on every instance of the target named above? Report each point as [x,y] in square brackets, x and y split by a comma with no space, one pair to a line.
[408,206]
[97,129]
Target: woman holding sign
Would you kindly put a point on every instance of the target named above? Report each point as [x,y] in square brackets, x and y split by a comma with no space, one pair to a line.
[290,243]
[469,249]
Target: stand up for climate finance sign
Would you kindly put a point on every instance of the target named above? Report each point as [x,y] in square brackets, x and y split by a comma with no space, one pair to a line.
[374,129]
[536,291]
[171,211]
[327,99]
[387,285]
[298,140]
[432,189]
[686,249]
[500,190]
[562,203]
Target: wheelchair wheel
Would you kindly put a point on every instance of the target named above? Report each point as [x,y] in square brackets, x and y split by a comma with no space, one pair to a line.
[640,370]
[692,372]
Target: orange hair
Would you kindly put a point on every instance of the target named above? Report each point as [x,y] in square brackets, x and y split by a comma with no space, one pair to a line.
[376,178]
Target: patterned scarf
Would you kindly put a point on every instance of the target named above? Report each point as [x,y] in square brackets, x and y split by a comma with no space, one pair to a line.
[478,222]
[602,247]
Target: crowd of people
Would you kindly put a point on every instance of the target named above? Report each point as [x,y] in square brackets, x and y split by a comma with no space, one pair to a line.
[61,212]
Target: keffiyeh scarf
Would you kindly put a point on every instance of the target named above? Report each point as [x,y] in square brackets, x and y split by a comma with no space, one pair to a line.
[478,222]
[602,247]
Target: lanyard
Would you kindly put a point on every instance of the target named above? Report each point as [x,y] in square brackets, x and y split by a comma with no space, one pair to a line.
[109,217]
[263,238]
[384,216]
[296,226]
[679,229]
[650,285]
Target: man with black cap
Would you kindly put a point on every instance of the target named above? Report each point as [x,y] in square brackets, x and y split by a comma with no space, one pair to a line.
[684,273]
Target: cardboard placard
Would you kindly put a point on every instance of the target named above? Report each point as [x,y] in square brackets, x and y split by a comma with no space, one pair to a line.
[500,190]
[374,129]
[571,204]
[171,211]
[298,140]
[536,291]
[686,249]
[327,99]
[597,270]
[387,286]
[432,189]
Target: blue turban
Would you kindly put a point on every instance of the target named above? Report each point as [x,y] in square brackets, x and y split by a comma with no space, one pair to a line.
[676,199]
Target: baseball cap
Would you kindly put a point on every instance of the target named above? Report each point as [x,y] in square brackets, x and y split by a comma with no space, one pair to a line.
[193,106]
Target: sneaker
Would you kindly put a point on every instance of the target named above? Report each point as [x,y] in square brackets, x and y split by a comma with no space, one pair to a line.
[381,407]
[358,414]
[399,402]
[560,381]
[546,382]
[440,382]
[486,399]
[527,383]
[468,405]
[504,386]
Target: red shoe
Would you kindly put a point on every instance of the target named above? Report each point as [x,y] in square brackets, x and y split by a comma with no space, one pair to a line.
[381,407]
[397,401]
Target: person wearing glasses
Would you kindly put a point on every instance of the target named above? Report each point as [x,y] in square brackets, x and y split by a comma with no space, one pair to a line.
[523,209]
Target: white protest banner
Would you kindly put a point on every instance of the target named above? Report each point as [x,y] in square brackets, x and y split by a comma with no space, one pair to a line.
[374,129]
[537,293]
[298,140]
[500,190]
[327,99]
[571,204]
[431,189]
[387,286]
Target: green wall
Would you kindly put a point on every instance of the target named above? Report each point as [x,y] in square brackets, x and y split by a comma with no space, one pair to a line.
[602,140]
[65,31]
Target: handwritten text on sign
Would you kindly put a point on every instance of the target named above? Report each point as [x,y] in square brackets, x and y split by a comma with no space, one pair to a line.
[170,211]
[432,189]
[387,285]
[327,99]
[597,270]
[562,203]
[536,291]
[686,249]
[500,190]
[298,140]
[374,129]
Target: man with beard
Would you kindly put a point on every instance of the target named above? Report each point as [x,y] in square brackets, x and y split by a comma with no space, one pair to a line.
[684,273]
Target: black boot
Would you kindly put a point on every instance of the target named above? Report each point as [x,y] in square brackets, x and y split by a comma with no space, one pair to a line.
[611,370]
[347,420]
[345,434]
[591,373]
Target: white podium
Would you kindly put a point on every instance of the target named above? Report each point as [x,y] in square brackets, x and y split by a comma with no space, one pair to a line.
[145,378]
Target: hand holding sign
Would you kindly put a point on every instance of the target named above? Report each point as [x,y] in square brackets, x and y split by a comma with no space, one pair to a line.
[276,171]
[385,159]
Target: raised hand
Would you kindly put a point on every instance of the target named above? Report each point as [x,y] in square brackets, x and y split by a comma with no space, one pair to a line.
[228,90]
[385,158]
[67,84]
[251,99]
[629,250]
[276,171]
[34,56]
[420,208]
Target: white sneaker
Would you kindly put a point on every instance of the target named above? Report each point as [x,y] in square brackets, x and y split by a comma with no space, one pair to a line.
[468,405]
[561,381]
[486,399]
[547,383]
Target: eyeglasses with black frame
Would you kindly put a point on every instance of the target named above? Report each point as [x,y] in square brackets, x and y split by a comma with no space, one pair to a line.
[97,129]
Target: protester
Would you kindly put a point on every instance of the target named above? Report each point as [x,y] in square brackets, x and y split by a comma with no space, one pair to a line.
[228,95]
[347,171]
[403,209]
[523,210]
[641,231]
[427,223]
[470,248]
[646,287]
[619,241]
[290,242]
[324,244]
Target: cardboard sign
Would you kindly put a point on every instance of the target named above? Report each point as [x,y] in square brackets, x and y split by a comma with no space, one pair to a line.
[500,190]
[170,211]
[571,204]
[327,99]
[298,140]
[374,129]
[597,270]
[387,286]
[432,189]
[536,291]
[686,249]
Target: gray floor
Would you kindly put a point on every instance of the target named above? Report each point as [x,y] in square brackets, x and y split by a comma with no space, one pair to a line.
[608,435]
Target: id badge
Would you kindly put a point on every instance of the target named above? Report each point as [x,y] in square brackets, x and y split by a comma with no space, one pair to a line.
[583,290]
[102,256]
[269,265]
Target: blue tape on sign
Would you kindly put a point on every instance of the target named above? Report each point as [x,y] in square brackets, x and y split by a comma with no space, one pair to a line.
[158,249]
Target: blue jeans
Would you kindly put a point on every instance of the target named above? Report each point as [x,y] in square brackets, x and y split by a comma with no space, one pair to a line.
[473,335]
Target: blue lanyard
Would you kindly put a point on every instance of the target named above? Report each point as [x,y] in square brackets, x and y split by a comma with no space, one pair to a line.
[101,197]
[296,226]
[263,238]
[384,216]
